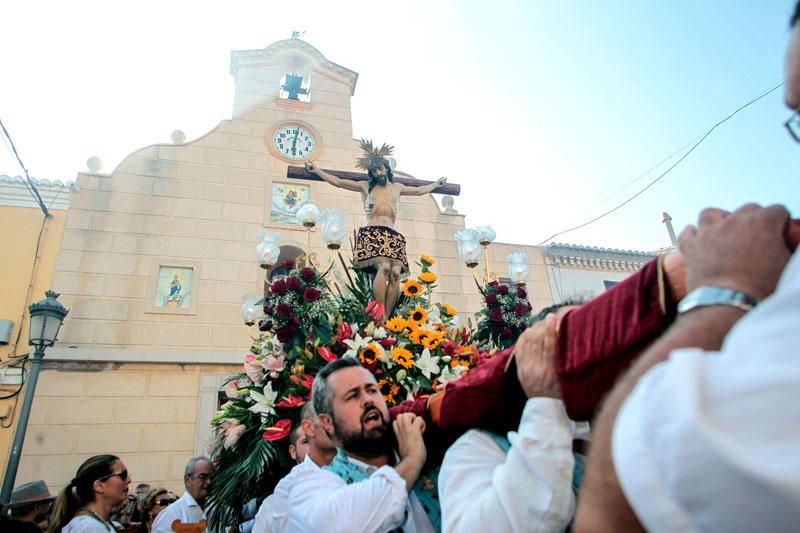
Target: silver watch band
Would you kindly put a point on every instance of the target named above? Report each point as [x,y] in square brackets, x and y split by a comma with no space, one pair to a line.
[709,295]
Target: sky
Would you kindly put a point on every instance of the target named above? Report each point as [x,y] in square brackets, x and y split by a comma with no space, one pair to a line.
[547,113]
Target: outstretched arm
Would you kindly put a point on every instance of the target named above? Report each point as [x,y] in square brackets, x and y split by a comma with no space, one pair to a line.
[422,190]
[350,185]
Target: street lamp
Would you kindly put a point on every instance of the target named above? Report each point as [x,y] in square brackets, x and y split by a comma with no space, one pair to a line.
[46,318]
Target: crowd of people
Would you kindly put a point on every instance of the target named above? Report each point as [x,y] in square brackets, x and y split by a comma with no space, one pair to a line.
[679,382]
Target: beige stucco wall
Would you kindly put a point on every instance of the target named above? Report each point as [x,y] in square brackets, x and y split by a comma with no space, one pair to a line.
[201,204]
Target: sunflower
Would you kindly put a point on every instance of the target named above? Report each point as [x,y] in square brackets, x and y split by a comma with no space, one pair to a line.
[440,327]
[427,277]
[428,260]
[370,353]
[396,324]
[420,336]
[403,357]
[447,308]
[412,288]
[433,340]
[418,316]
[389,390]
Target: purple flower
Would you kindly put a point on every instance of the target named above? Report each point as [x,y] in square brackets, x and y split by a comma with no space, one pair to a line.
[529,306]
[307,274]
[505,334]
[284,310]
[496,315]
[491,299]
[310,294]
[265,325]
[521,293]
[283,334]
[279,287]
[293,283]
[520,309]
[502,289]
[269,309]
[293,324]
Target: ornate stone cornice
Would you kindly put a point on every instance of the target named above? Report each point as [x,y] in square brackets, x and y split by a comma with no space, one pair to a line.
[595,258]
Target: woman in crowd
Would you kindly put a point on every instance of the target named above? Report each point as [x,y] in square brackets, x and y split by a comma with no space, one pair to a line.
[85,505]
[152,503]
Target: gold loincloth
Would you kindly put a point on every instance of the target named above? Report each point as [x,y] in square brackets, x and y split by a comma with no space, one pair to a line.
[377,244]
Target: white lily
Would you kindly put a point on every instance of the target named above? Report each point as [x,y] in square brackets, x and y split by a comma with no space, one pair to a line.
[428,365]
[450,374]
[356,345]
[379,333]
[264,403]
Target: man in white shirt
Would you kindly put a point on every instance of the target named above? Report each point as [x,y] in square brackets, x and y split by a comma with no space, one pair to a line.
[189,508]
[273,514]
[701,435]
[367,486]
[488,483]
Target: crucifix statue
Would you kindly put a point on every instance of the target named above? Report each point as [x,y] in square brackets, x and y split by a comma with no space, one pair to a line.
[379,246]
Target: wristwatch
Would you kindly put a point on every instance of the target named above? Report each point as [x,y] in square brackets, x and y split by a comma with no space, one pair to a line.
[710,295]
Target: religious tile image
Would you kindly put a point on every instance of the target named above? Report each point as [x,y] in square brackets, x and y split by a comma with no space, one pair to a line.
[174,287]
[286,199]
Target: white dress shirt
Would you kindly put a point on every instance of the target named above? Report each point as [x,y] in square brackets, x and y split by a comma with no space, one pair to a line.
[273,515]
[185,509]
[319,500]
[529,489]
[708,441]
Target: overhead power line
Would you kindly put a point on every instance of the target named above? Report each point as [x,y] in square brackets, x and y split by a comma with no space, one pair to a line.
[659,177]
[28,181]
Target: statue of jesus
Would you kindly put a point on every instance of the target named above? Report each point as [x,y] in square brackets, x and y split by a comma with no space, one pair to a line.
[379,247]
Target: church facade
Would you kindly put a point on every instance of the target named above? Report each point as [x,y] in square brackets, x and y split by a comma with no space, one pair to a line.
[155,257]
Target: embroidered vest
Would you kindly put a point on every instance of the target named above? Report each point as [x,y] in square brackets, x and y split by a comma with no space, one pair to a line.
[426,489]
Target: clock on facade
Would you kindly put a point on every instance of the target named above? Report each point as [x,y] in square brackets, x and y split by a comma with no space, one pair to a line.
[294,141]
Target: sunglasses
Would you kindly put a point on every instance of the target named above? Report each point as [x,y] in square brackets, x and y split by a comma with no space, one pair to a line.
[165,501]
[123,475]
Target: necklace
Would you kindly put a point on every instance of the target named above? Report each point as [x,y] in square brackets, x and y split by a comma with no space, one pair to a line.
[103,520]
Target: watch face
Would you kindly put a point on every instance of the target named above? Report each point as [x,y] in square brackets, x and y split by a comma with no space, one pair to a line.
[294,141]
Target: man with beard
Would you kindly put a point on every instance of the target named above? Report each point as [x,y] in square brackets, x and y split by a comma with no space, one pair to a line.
[368,486]
[273,514]
[379,247]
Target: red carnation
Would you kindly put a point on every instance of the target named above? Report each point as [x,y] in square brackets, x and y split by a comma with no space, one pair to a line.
[283,334]
[293,324]
[520,309]
[496,315]
[310,294]
[505,334]
[491,299]
[502,289]
[521,292]
[279,287]
[279,431]
[307,274]
[289,264]
[293,283]
[284,310]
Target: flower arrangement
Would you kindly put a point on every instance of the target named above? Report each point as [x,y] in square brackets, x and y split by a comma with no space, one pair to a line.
[306,326]
[505,316]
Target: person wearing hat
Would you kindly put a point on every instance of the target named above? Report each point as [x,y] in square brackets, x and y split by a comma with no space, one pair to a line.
[31,502]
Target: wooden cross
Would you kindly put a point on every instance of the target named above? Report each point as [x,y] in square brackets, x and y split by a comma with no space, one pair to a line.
[300,173]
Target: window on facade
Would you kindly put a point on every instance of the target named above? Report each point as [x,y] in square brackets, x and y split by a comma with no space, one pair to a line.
[295,87]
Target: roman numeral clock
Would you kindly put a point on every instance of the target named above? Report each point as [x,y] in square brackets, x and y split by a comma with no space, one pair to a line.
[294,141]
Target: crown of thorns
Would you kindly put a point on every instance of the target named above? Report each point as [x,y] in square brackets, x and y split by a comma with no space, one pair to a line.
[372,156]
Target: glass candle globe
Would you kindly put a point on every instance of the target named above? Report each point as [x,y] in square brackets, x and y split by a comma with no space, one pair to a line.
[308,215]
[518,269]
[268,248]
[469,249]
[250,310]
[333,228]
[486,234]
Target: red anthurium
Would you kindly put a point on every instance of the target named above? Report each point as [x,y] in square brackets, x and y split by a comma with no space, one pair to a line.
[308,381]
[280,430]
[326,354]
[291,401]
[375,311]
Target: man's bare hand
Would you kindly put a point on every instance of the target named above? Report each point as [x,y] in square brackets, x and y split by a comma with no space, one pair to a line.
[746,250]
[311,167]
[535,353]
[408,429]
[441,181]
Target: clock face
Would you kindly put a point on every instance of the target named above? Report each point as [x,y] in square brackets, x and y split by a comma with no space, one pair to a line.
[294,141]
